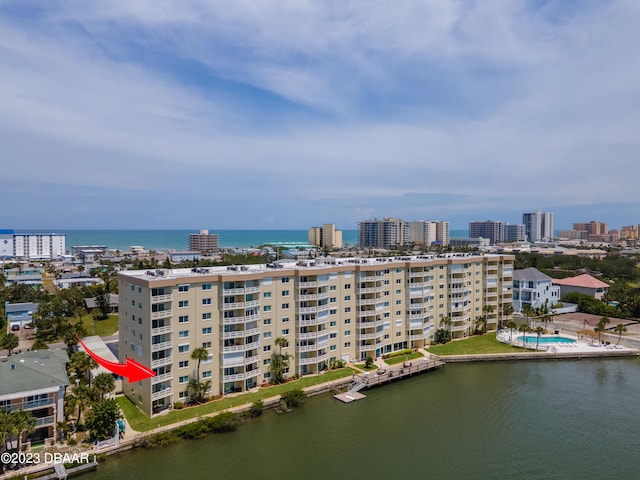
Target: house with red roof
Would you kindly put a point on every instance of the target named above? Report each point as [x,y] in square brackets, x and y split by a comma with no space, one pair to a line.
[584,283]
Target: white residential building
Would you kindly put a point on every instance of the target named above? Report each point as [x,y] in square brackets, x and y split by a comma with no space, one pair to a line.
[532,287]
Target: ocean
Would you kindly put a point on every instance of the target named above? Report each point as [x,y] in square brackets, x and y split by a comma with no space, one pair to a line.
[164,240]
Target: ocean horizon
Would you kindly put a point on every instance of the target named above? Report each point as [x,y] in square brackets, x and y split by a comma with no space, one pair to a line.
[178,240]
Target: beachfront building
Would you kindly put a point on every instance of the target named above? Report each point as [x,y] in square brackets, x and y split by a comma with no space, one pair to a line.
[534,288]
[427,232]
[203,242]
[538,226]
[38,246]
[494,231]
[35,382]
[317,311]
[584,283]
[386,233]
[325,236]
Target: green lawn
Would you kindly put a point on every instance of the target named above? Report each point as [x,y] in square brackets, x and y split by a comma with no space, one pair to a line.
[140,422]
[104,328]
[473,345]
[402,358]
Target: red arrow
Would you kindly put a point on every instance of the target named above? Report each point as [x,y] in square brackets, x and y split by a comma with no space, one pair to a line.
[133,370]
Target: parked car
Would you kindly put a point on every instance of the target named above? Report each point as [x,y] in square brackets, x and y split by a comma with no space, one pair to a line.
[15,327]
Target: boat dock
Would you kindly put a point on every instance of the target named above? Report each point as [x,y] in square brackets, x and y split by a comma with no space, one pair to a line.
[388,374]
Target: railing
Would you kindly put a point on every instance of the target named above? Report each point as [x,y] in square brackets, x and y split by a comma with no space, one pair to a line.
[307,284]
[367,279]
[367,290]
[160,314]
[161,362]
[161,346]
[366,324]
[250,360]
[252,374]
[307,309]
[162,298]
[233,378]
[253,316]
[161,330]
[307,297]
[161,393]
[161,378]
[233,334]
[252,289]
[252,303]
[233,306]
[233,348]
[251,346]
[308,348]
[307,360]
[232,362]
[366,336]
[458,328]
[252,331]
[232,320]
[366,348]
[27,405]
[42,421]
[232,291]
[308,335]
[308,323]
[367,301]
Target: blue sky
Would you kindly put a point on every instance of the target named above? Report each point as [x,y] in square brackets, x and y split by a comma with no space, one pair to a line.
[288,114]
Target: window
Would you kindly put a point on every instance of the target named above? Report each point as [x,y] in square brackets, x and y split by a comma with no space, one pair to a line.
[184,348]
[347,333]
[266,335]
[183,394]
[183,364]
[285,293]
[398,280]
[332,347]
[398,292]
[206,286]
[183,303]
[333,311]
[387,314]
[333,335]
[183,379]
[206,331]
[267,308]
[347,286]
[284,279]
[206,344]
[183,318]
[347,298]
[266,348]
[266,295]
[347,321]
[285,306]
[206,374]
[266,361]
[206,301]
[206,316]
[285,319]
[347,309]
[183,288]
[347,344]
[332,300]
[183,333]
[285,331]
[332,323]
[386,282]
[398,302]
[332,288]
[266,321]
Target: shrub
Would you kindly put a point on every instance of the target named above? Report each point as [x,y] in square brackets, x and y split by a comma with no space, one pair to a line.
[293,398]
[256,409]
[224,422]
[178,405]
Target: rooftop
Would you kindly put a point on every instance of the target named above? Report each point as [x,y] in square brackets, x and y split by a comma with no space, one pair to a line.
[32,371]
[585,281]
[531,273]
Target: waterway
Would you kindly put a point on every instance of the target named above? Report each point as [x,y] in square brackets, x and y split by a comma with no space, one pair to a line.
[526,420]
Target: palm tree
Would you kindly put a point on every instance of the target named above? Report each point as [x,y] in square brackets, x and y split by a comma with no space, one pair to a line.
[446,321]
[81,396]
[507,311]
[538,331]
[524,328]
[199,354]
[481,325]
[511,325]
[527,310]
[620,328]
[24,422]
[279,361]
[81,364]
[602,327]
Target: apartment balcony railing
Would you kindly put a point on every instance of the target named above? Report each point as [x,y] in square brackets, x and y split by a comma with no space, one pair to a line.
[161,362]
[232,291]
[252,289]
[161,378]
[252,303]
[307,360]
[161,298]
[233,306]
[366,336]
[307,309]
[366,324]
[252,374]
[252,331]
[308,323]
[161,393]
[307,284]
[232,362]
[367,301]
[156,347]
[24,405]
[42,421]
[307,335]
[161,330]
[234,334]
[233,348]
[233,378]
[251,346]
[308,348]
[160,314]
[366,348]
[307,297]
[233,320]
[250,360]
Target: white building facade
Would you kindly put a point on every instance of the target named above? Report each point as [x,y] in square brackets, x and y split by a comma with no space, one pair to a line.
[38,246]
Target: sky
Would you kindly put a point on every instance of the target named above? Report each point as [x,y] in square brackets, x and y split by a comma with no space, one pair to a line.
[258,114]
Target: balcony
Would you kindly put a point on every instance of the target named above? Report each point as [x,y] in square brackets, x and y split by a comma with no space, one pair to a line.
[252,317]
[250,360]
[227,292]
[161,346]
[233,362]
[307,360]
[417,274]
[366,336]
[42,421]
[367,290]
[234,334]
[308,348]
[252,303]
[161,330]
[366,348]
[252,289]
[308,297]
[307,284]
[307,309]
[458,328]
[233,348]
[251,346]
[252,374]
[252,331]
[161,362]
[305,336]
[232,320]
[162,393]
[45,402]
[160,314]
[161,298]
[367,301]
[366,313]
[416,337]
[161,378]
[233,306]
[233,378]
[308,323]
[371,278]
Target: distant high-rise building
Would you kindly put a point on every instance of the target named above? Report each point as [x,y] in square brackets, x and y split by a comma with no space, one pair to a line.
[442,233]
[325,236]
[538,226]
[427,232]
[515,233]
[42,246]
[595,231]
[494,231]
[203,242]
[386,233]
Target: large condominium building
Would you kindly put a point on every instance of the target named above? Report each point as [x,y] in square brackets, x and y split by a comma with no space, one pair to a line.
[325,309]
[203,242]
[386,233]
[325,236]
[494,231]
[515,233]
[426,232]
[38,246]
[538,226]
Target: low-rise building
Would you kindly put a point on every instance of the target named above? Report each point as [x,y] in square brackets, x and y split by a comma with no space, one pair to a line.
[19,314]
[534,288]
[584,283]
[35,382]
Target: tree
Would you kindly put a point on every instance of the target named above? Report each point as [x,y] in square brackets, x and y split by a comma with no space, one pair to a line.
[17,423]
[481,325]
[507,311]
[538,331]
[444,333]
[199,354]
[80,397]
[279,361]
[524,328]
[103,384]
[620,329]
[81,364]
[101,419]
[527,310]
[511,325]
[9,342]
[601,327]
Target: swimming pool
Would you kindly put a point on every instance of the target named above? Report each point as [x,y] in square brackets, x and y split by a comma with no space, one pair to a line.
[554,339]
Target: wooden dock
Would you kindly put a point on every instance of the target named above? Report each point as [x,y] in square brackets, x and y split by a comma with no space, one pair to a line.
[392,373]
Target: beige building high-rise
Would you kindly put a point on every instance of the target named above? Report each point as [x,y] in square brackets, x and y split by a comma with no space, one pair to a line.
[203,242]
[326,309]
[325,236]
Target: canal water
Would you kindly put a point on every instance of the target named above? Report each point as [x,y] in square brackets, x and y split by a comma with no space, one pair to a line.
[525,420]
